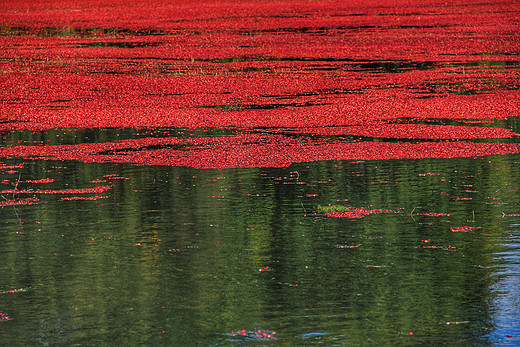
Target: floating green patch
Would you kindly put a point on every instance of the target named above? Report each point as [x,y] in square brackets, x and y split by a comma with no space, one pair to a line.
[334,208]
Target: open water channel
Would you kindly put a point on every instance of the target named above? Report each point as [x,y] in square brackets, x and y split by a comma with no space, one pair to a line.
[179,256]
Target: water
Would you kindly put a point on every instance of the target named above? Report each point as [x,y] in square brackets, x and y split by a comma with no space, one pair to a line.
[180,256]
[216,173]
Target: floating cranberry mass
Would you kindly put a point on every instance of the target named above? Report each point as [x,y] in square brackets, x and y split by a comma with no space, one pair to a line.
[354,213]
[292,81]
[253,335]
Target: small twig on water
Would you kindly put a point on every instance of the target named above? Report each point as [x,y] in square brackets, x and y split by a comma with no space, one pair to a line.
[13,196]
[17,215]
[16,185]
[411,213]
[14,193]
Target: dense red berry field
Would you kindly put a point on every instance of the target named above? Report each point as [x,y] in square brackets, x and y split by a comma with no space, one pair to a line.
[290,81]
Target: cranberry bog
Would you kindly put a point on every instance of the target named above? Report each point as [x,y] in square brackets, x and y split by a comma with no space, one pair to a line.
[151,115]
[290,81]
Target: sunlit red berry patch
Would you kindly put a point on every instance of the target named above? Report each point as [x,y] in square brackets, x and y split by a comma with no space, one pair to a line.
[294,83]
[252,150]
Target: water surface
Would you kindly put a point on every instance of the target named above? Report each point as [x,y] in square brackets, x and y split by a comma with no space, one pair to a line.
[172,255]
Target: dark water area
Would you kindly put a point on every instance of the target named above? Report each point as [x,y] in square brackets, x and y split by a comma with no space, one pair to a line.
[181,256]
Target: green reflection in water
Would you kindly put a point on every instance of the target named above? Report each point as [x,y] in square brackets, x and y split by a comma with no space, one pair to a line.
[174,255]
[100,135]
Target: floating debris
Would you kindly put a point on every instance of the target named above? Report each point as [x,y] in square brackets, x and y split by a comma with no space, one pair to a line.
[355,212]
[434,214]
[287,284]
[456,323]
[334,208]
[510,215]
[13,291]
[257,334]
[445,248]
[464,229]
[84,197]
[347,246]
[99,189]
[115,177]
[43,180]
[10,167]
[28,201]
